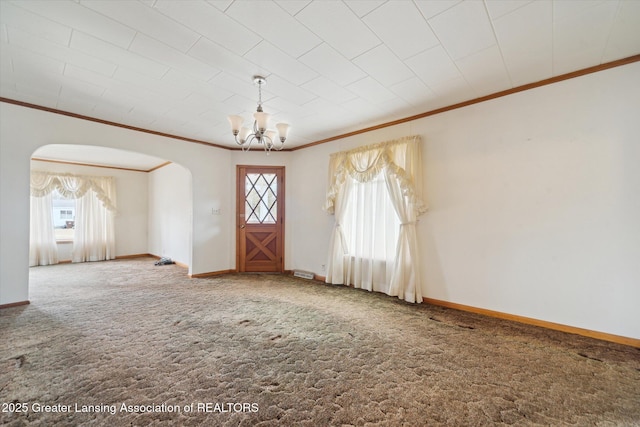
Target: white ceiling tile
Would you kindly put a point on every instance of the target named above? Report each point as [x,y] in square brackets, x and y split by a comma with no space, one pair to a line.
[485,71]
[83,19]
[395,108]
[37,25]
[371,90]
[452,91]
[580,40]
[381,64]
[121,88]
[60,52]
[197,87]
[45,86]
[184,111]
[241,105]
[241,86]
[71,86]
[93,46]
[464,29]
[32,63]
[6,69]
[624,39]
[329,63]
[360,109]
[84,75]
[145,114]
[269,57]
[216,118]
[220,134]
[338,26]
[431,8]
[565,9]
[433,66]
[327,89]
[526,41]
[121,101]
[278,86]
[276,115]
[146,20]
[211,23]
[319,106]
[363,7]
[115,100]
[409,34]
[276,105]
[143,81]
[281,29]
[322,111]
[361,114]
[413,90]
[192,127]
[220,58]
[293,6]
[157,51]
[75,103]
[222,5]
[498,8]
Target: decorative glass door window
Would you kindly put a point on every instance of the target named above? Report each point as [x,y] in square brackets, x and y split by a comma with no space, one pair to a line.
[261,190]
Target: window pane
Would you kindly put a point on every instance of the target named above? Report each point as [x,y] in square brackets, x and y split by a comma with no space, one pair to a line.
[371,225]
[64,213]
[261,192]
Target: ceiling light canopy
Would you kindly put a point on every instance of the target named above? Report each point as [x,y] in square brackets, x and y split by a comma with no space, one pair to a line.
[267,137]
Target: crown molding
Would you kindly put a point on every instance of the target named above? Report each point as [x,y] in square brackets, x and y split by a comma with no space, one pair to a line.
[94,165]
[545,82]
[528,86]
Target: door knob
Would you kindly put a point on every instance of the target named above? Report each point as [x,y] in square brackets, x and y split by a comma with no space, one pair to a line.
[242,226]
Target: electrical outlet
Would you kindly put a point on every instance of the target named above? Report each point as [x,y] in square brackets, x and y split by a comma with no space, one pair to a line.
[322,268]
[215,211]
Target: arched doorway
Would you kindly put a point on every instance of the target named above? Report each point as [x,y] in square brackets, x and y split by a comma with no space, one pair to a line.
[151,195]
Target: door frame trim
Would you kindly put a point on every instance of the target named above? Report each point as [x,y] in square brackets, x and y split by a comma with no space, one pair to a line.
[240,171]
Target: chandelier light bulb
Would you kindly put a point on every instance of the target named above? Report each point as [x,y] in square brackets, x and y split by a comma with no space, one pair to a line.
[262,120]
[244,134]
[283,131]
[235,122]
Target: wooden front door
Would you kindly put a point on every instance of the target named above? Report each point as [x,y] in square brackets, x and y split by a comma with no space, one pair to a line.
[260,219]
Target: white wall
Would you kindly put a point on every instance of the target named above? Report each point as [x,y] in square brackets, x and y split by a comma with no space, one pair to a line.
[131,217]
[170,212]
[534,202]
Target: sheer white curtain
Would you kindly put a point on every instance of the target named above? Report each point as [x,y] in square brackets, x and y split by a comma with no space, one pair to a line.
[374,192]
[94,238]
[95,196]
[42,242]
[337,265]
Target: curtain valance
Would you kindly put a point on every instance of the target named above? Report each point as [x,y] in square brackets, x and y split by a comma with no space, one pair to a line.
[74,186]
[401,158]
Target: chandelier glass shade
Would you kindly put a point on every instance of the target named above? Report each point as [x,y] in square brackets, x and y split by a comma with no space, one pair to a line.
[260,133]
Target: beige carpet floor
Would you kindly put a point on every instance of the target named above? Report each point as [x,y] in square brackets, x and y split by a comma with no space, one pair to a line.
[124,343]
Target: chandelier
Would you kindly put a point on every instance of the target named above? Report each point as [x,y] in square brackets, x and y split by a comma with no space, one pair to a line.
[260,134]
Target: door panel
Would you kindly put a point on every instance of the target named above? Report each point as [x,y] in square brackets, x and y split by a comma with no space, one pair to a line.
[260,219]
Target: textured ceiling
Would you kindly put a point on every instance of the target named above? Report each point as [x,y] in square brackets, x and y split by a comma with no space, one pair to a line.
[180,67]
